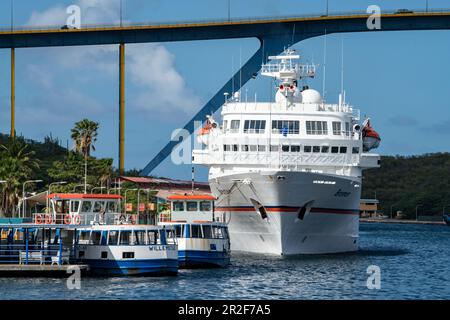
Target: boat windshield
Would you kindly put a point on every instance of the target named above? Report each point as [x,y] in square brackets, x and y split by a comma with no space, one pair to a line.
[127,237]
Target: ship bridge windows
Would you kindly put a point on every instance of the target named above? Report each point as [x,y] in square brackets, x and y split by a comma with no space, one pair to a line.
[124,238]
[334,149]
[113,237]
[207,232]
[112,207]
[285,127]
[324,149]
[295,148]
[99,206]
[192,206]
[86,206]
[219,232]
[342,149]
[177,206]
[205,205]
[196,231]
[179,230]
[316,127]
[74,206]
[355,150]
[347,128]
[337,128]
[234,126]
[139,237]
[254,126]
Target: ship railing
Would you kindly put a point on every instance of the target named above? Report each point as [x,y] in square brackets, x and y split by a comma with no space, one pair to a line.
[34,252]
[299,69]
[89,218]
[253,106]
[276,159]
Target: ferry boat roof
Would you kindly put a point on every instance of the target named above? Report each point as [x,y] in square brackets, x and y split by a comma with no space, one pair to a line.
[115,227]
[173,222]
[84,196]
[191,197]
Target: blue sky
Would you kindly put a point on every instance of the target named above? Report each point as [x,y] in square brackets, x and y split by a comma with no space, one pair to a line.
[399,79]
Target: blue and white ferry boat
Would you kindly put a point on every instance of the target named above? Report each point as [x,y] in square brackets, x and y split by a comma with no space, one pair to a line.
[202,240]
[127,249]
[108,241]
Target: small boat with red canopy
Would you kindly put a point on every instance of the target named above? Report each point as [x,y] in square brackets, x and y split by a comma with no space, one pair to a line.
[109,241]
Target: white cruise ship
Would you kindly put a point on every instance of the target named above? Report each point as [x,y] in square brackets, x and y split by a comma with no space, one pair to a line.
[287,174]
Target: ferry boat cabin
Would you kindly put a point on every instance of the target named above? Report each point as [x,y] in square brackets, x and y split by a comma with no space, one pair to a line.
[128,249]
[202,242]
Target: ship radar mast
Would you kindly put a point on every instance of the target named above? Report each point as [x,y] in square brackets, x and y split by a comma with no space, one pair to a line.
[288,72]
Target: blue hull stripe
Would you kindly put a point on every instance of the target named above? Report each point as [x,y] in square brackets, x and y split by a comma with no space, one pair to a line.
[197,258]
[133,267]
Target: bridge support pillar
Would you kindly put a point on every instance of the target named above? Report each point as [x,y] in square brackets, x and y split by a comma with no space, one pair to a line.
[121,108]
[13,93]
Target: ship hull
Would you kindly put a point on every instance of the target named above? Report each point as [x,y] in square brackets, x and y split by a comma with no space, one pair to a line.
[289,213]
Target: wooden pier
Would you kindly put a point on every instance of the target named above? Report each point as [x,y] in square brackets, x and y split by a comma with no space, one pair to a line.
[33,270]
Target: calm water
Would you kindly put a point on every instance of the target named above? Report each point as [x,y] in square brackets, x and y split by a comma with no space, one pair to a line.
[414,262]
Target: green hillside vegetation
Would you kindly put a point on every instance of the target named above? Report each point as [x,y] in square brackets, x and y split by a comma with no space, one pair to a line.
[405,182]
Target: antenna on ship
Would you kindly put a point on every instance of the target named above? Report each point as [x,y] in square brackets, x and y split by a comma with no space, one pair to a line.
[324,65]
[240,72]
[342,94]
[293,35]
[232,75]
[192,178]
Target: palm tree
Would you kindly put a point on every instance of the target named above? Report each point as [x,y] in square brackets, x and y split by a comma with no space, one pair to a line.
[17,165]
[84,135]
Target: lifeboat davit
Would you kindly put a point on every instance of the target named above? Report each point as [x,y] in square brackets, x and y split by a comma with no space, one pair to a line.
[371,138]
[205,131]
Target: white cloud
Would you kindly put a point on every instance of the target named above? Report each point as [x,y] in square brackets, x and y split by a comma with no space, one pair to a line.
[92,12]
[151,67]
[50,17]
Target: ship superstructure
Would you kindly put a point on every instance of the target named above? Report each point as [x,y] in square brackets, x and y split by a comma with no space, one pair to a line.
[287,174]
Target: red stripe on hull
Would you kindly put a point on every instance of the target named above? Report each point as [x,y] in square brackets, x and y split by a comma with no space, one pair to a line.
[289,209]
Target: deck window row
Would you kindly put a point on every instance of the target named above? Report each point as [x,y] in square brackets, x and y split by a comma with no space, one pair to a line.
[286,127]
[289,148]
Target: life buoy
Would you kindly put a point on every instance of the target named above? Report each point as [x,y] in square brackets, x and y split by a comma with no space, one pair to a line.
[38,219]
[48,218]
[67,219]
[77,219]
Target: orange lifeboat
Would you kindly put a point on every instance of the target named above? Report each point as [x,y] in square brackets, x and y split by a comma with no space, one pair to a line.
[371,138]
[203,133]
